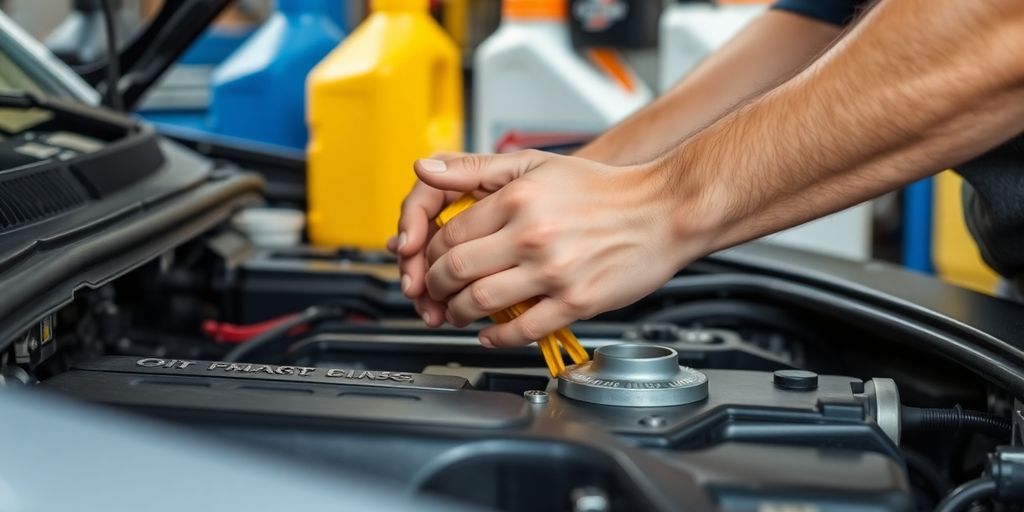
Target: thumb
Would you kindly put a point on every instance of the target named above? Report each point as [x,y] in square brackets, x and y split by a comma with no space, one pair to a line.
[477,172]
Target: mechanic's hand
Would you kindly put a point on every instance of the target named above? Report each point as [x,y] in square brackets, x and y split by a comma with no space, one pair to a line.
[416,227]
[583,236]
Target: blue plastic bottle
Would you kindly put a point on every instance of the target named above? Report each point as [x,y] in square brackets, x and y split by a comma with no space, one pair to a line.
[259,92]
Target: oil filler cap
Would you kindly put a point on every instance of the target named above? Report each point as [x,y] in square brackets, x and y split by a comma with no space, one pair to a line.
[799,380]
[634,375]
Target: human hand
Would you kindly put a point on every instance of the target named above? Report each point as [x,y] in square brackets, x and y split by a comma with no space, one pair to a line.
[583,237]
[416,228]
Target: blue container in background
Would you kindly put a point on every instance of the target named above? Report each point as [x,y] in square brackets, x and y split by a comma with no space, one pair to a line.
[182,98]
[917,226]
[338,11]
[259,92]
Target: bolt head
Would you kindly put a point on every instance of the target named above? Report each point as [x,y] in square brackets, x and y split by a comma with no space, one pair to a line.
[536,396]
[590,499]
[653,421]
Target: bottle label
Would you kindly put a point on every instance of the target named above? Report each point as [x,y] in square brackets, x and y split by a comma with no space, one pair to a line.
[599,15]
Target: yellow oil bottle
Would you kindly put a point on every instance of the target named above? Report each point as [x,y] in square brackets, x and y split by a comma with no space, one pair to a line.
[390,93]
[954,251]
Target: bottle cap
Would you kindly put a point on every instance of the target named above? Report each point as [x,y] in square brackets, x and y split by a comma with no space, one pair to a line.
[301,6]
[534,9]
[400,5]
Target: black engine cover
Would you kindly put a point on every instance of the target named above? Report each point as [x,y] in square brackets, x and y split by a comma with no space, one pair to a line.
[459,432]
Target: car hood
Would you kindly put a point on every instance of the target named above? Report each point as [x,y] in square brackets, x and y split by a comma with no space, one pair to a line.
[149,54]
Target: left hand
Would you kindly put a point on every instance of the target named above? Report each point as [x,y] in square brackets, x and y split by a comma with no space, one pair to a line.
[416,227]
[583,236]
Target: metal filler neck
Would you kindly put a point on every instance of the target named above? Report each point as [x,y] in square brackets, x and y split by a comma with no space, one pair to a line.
[634,375]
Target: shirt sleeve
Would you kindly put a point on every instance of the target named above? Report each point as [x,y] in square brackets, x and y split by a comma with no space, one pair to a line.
[839,12]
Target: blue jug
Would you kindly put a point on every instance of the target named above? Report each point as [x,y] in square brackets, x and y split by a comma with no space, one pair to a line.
[259,92]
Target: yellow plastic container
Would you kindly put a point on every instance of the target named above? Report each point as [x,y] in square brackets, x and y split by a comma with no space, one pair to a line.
[954,251]
[389,94]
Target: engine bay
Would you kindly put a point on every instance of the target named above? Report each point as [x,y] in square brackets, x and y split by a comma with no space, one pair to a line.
[702,397]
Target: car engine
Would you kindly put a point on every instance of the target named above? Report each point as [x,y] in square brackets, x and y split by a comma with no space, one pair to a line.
[704,396]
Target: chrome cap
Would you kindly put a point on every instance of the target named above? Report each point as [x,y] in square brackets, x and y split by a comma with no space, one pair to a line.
[633,375]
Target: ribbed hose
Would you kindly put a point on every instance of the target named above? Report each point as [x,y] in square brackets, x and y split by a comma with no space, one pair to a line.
[955,421]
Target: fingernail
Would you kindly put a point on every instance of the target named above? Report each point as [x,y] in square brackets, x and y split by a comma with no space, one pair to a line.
[431,165]
[406,283]
[402,239]
[426,318]
[448,317]
[486,342]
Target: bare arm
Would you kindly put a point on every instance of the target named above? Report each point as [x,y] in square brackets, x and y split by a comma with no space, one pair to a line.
[885,107]
[771,49]
[916,86]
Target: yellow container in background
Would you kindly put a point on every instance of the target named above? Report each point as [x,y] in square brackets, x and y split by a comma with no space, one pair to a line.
[954,251]
[389,94]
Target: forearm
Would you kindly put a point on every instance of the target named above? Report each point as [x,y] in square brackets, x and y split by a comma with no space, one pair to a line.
[766,53]
[883,107]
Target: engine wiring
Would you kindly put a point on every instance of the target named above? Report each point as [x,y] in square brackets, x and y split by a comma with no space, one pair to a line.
[267,336]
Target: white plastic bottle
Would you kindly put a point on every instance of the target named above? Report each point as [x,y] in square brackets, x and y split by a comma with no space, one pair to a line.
[533,89]
[693,29]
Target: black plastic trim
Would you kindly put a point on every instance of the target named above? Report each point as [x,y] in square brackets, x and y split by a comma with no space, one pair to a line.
[48,277]
[983,333]
[283,169]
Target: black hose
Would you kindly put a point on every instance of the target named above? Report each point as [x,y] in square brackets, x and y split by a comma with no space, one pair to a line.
[113,58]
[963,496]
[955,421]
[310,316]
[279,331]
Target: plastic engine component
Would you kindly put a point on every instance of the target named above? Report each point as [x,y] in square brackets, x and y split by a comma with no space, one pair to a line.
[480,435]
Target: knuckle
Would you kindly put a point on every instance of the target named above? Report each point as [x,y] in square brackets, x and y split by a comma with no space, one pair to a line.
[529,329]
[539,234]
[557,269]
[480,297]
[550,275]
[457,264]
[576,303]
[517,196]
[564,263]
[453,233]
[473,163]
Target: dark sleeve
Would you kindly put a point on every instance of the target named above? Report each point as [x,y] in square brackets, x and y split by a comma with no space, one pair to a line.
[839,12]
